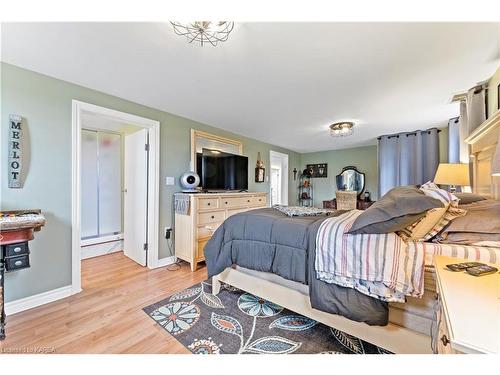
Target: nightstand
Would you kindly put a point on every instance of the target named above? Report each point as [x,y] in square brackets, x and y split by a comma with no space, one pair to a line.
[468,318]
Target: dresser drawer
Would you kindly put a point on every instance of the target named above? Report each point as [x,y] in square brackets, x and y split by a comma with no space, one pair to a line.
[208,203]
[210,217]
[17,249]
[207,230]
[17,263]
[258,201]
[230,202]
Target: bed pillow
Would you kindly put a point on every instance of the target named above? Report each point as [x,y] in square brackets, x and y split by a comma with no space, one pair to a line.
[481,217]
[450,213]
[468,238]
[468,198]
[400,207]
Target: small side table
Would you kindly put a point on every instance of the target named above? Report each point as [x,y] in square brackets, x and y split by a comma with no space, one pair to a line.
[467,313]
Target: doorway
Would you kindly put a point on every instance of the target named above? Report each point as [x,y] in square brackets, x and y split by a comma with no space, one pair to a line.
[115,186]
[279,178]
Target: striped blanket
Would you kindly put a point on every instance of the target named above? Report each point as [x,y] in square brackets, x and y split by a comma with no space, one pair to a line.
[382,266]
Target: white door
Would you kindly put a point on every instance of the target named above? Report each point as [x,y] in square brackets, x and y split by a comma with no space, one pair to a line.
[279,177]
[276,185]
[135,197]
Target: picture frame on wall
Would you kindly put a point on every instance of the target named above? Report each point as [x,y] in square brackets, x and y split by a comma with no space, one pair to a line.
[318,170]
[260,174]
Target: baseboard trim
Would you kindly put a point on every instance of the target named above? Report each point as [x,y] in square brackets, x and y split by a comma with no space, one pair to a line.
[163,262]
[96,250]
[36,300]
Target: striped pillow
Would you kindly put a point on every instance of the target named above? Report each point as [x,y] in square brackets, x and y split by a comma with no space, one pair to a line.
[452,213]
[436,219]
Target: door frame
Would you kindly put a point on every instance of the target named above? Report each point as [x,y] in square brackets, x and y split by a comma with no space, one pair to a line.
[153,185]
[284,174]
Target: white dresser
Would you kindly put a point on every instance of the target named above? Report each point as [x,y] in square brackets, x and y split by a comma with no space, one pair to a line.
[207,212]
[468,316]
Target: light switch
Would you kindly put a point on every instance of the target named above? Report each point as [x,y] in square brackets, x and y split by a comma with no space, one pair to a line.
[170,181]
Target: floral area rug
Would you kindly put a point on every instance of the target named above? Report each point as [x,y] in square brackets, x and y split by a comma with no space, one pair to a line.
[235,322]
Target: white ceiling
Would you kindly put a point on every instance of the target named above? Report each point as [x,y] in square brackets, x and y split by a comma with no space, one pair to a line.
[282,83]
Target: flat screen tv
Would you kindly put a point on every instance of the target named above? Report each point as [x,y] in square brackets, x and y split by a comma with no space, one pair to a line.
[222,171]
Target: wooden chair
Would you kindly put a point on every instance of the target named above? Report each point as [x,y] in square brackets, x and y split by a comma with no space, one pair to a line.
[346,199]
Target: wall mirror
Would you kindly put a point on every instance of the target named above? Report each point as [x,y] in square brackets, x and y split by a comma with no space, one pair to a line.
[351,179]
[201,140]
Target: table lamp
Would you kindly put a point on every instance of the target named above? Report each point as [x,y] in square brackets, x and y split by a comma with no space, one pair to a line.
[452,175]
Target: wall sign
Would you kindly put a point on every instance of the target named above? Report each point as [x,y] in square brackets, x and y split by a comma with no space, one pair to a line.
[15,140]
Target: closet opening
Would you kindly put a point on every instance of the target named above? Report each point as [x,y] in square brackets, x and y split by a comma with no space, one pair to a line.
[115,186]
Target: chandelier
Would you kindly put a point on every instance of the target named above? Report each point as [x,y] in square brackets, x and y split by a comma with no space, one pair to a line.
[204,31]
[341,129]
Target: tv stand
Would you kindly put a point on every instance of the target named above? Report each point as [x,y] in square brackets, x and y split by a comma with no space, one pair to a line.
[206,213]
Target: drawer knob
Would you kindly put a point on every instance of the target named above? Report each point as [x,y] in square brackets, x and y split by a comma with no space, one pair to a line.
[445,340]
[208,204]
[18,262]
[17,249]
[213,217]
[248,201]
[225,202]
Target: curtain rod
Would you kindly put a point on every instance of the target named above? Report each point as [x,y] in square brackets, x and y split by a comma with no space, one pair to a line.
[408,134]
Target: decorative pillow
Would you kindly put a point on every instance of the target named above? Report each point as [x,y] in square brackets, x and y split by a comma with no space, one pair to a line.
[299,211]
[400,207]
[451,214]
[421,228]
[468,198]
[435,219]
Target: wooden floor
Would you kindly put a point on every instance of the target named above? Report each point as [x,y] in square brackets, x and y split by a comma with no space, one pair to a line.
[107,316]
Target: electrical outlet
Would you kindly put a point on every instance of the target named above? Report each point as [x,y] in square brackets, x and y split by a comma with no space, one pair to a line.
[169,180]
[168,232]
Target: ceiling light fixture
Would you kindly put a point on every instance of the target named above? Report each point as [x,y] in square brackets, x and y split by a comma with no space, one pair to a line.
[204,31]
[341,129]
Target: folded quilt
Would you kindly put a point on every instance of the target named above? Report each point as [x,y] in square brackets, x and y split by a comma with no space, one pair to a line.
[382,266]
[300,210]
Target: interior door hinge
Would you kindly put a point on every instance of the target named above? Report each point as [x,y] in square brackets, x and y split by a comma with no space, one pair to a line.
[145,246]
[146,146]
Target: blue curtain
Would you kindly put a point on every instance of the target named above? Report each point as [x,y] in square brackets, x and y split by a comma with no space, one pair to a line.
[407,159]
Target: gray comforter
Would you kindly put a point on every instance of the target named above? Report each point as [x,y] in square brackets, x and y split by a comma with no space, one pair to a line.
[269,241]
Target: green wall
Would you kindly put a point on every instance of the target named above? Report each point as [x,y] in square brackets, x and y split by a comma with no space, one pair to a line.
[363,158]
[45,104]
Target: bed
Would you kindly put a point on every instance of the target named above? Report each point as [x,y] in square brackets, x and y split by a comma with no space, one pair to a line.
[286,280]
[284,276]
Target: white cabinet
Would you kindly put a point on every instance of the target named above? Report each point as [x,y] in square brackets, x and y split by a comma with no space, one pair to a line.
[207,212]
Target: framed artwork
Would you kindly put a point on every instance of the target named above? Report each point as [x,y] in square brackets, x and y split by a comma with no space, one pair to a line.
[318,170]
[259,174]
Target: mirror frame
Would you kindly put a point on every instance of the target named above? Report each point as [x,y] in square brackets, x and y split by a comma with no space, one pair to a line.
[353,168]
[195,134]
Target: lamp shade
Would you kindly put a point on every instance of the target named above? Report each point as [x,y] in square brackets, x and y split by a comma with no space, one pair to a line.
[452,174]
[495,165]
